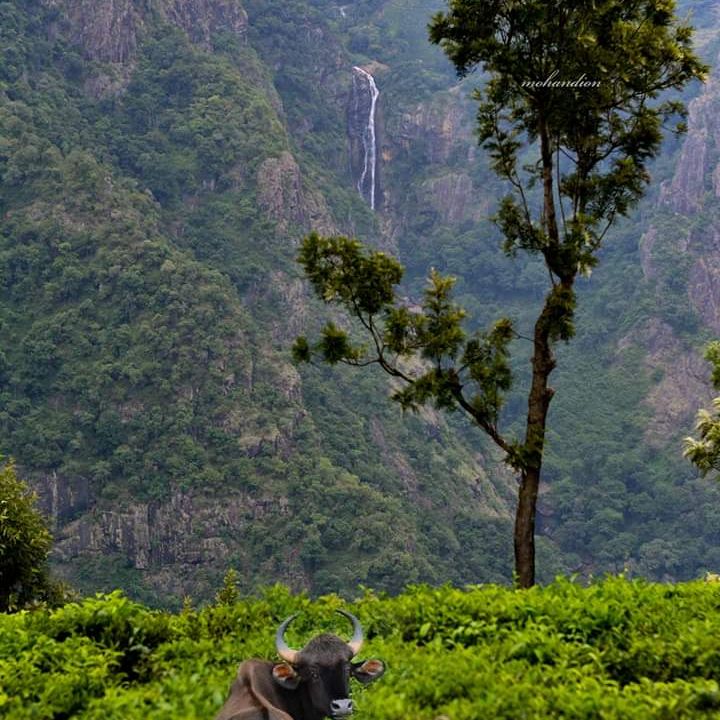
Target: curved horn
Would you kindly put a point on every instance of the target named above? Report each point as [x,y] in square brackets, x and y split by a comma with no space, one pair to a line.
[283,650]
[357,639]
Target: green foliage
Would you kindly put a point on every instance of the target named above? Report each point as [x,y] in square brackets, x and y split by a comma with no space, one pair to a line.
[339,271]
[228,593]
[704,451]
[363,282]
[144,289]
[190,119]
[616,649]
[24,544]
[122,350]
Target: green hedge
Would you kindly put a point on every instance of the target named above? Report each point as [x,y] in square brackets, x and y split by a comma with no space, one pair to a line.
[615,649]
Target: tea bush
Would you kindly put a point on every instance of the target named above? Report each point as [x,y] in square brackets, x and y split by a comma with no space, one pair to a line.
[614,649]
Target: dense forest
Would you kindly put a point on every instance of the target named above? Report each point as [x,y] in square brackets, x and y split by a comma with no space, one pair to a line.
[159,163]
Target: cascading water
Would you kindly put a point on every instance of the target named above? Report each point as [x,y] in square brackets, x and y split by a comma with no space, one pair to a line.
[364,88]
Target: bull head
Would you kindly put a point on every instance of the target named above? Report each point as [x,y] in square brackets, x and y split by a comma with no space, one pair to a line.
[322,669]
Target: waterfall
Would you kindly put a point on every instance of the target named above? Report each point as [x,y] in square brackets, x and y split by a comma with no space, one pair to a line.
[367,177]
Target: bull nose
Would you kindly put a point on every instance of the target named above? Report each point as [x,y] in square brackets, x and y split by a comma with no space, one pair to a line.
[341,708]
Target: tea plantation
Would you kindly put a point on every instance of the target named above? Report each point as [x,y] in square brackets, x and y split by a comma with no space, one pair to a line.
[615,649]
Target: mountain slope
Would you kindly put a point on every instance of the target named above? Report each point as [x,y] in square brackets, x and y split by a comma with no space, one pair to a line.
[152,199]
[159,161]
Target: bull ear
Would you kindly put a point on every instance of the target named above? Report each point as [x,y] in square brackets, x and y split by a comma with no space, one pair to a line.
[368,671]
[284,675]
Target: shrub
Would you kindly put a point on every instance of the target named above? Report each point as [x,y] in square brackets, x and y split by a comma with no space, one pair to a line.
[24,544]
[615,649]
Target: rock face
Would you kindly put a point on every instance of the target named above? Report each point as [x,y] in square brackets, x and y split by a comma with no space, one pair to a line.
[437,129]
[698,170]
[109,30]
[106,30]
[453,198]
[704,276]
[169,538]
[202,19]
[432,140]
[682,388]
[63,499]
[692,195]
[282,196]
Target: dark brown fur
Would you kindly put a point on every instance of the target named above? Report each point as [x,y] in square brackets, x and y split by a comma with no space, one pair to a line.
[254,695]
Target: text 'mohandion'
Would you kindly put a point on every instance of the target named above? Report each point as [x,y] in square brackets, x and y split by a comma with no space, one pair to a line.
[553,82]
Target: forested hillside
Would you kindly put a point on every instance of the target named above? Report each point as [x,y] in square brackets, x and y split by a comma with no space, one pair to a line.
[159,162]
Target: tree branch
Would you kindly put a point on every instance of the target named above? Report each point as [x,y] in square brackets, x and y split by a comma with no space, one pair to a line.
[487,426]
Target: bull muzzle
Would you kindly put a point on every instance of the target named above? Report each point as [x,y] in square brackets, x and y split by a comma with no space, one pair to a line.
[341,708]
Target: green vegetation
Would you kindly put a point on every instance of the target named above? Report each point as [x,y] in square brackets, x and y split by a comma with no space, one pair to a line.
[592,147]
[146,295]
[704,452]
[120,344]
[24,544]
[149,297]
[615,650]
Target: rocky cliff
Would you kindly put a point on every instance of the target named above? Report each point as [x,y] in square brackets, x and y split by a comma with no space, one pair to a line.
[689,231]
[110,30]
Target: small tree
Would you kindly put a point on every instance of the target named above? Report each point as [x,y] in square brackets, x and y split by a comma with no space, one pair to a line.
[228,594]
[25,543]
[579,82]
[704,451]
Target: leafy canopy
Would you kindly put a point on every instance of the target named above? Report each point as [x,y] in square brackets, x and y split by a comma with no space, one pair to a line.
[24,543]
[451,367]
[704,451]
[596,139]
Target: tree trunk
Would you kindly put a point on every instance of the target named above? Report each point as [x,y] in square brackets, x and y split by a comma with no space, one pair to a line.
[543,363]
[525,528]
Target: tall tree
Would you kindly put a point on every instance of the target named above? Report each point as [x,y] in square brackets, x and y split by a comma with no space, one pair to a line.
[578,84]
